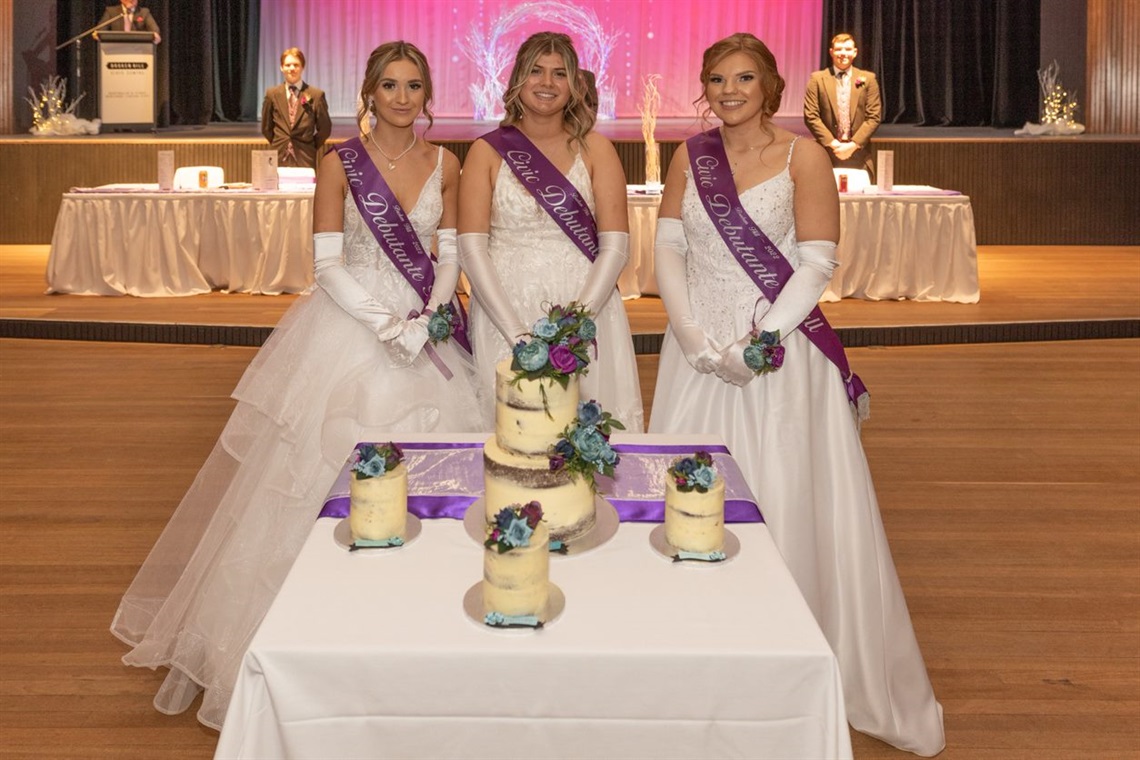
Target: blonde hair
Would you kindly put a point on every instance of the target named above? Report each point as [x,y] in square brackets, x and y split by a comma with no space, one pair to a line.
[378,60]
[577,116]
[771,83]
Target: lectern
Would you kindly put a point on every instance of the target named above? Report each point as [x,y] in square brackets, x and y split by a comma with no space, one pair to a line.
[127,80]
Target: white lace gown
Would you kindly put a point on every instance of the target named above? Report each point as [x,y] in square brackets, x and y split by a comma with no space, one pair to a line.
[794,436]
[539,267]
[321,383]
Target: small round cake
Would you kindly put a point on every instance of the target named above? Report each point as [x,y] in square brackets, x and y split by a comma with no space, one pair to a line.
[694,521]
[379,506]
[516,582]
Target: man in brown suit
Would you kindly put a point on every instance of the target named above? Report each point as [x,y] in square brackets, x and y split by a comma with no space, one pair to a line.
[845,132]
[295,115]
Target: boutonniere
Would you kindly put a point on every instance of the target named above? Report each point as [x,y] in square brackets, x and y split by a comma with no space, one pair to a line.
[304,101]
[860,81]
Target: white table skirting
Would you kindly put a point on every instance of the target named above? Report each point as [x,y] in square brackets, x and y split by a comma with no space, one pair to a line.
[371,656]
[123,241]
[901,246]
[916,247]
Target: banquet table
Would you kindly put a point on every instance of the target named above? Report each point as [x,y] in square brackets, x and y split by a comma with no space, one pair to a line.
[373,655]
[140,241]
[914,242]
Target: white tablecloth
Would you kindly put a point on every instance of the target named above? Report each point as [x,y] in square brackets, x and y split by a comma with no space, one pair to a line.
[126,240]
[903,246]
[371,655]
[906,246]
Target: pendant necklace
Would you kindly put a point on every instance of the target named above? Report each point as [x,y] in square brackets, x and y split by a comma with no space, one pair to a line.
[392,161]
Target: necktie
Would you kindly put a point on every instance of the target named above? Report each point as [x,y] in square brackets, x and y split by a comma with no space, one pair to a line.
[126,20]
[293,102]
[843,100]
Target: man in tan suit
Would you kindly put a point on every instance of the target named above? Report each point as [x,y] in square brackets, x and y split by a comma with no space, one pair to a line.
[842,107]
[295,115]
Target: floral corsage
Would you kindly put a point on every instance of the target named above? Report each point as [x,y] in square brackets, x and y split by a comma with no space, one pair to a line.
[558,346]
[764,354]
[371,460]
[442,323]
[513,527]
[584,447]
[693,473]
[860,81]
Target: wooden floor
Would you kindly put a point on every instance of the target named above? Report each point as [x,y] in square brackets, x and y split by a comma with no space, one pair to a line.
[1008,477]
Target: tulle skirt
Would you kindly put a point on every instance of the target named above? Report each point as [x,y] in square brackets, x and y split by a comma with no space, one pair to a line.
[321,383]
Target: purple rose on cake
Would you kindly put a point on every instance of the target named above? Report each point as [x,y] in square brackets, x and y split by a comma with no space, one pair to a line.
[563,359]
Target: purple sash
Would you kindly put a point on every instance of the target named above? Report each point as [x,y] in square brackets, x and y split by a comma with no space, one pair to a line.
[385,218]
[552,189]
[756,254]
[444,479]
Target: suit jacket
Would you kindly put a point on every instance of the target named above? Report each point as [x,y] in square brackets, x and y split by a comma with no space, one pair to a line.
[141,20]
[821,114]
[306,134]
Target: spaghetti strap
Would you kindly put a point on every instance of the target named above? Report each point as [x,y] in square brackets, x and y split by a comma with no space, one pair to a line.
[790,148]
[438,156]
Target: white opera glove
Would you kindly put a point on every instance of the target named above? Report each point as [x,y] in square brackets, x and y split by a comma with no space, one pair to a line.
[601,281]
[803,290]
[406,346]
[475,258]
[732,368]
[346,291]
[670,248]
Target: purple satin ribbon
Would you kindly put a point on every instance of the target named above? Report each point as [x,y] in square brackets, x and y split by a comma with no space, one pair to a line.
[552,189]
[389,224]
[636,491]
[757,255]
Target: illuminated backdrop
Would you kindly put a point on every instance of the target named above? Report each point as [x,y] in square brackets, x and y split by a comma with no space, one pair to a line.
[622,41]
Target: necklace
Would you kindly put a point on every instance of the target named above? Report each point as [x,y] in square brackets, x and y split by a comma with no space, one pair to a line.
[392,161]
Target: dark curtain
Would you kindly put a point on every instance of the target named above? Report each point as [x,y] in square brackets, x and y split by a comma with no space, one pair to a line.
[945,62]
[207,62]
[236,23]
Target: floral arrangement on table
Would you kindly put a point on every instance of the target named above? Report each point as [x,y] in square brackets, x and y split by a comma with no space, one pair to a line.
[693,473]
[442,323]
[764,353]
[860,81]
[558,346]
[370,460]
[513,526]
[583,448]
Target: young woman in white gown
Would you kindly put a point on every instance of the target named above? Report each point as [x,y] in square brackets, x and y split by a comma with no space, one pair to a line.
[345,364]
[792,431]
[518,259]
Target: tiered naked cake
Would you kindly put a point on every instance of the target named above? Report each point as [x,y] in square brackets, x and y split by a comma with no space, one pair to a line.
[529,417]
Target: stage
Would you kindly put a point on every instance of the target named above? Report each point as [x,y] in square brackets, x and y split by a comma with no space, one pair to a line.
[1028,294]
[1024,190]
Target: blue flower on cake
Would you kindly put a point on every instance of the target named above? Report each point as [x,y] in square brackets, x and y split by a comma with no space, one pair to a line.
[513,527]
[558,345]
[371,461]
[583,449]
[693,473]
